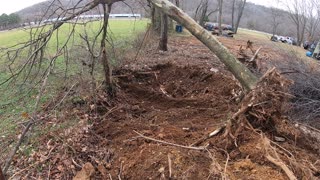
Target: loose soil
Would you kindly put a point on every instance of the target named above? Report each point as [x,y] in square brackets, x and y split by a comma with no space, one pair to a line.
[179,97]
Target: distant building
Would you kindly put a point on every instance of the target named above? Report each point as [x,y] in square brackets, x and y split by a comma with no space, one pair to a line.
[94,17]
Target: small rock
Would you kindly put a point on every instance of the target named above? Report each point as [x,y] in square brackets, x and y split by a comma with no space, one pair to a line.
[214,70]
[279,139]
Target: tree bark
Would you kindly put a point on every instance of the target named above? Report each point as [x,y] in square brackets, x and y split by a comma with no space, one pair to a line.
[239,70]
[232,13]
[204,8]
[163,44]
[104,58]
[220,2]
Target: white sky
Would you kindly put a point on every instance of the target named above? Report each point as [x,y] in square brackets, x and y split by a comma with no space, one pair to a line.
[268,3]
[10,6]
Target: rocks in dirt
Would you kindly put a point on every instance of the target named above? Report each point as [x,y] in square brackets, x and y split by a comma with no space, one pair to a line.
[86,172]
[279,139]
[214,70]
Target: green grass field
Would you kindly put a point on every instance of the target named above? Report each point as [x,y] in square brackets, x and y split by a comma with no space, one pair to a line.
[11,103]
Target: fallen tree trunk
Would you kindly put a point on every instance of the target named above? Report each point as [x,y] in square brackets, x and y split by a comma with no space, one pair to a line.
[239,70]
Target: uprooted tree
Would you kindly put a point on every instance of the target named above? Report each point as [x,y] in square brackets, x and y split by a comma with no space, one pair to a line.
[257,104]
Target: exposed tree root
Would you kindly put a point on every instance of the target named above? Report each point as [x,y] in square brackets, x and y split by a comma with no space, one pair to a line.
[261,114]
[277,161]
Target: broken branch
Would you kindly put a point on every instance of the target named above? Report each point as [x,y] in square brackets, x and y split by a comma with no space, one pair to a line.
[169,143]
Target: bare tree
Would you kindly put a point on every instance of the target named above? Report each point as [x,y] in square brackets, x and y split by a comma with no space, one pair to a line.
[298,14]
[241,6]
[220,5]
[313,13]
[276,17]
[232,13]
[201,11]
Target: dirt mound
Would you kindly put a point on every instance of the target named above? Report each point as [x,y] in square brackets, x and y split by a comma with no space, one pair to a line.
[146,132]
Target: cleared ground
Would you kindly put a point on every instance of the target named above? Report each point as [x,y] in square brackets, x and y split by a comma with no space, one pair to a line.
[178,96]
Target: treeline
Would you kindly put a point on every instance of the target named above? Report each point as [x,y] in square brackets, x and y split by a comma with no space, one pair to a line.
[9,21]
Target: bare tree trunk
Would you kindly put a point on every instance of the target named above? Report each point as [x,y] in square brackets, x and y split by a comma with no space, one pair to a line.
[232,13]
[239,70]
[104,58]
[241,8]
[153,17]
[156,19]
[163,44]
[204,11]
[220,2]
[177,3]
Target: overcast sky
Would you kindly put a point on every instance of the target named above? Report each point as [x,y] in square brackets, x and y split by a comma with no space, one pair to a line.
[10,6]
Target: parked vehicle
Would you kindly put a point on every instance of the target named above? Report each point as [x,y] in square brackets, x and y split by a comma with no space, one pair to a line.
[210,26]
[284,39]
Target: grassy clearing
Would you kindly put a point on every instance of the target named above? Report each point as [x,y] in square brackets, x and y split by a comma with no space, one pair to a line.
[265,39]
[16,99]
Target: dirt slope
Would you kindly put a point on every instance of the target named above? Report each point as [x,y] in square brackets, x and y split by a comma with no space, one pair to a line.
[178,102]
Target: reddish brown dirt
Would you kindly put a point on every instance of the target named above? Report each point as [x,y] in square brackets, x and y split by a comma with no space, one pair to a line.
[177,102]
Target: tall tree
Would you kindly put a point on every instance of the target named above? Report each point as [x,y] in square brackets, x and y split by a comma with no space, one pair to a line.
[241,6]
[313,15]
[298,14]
[201,11]
[276,16]
[232,13]
[220,4]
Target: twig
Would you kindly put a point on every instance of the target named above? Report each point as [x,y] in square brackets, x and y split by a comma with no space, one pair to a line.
[75,163]
[31,122]
[255,55]
[120,171]
[171,144]
[49,171]
[116,108]
[140,47]
[170,165]
[226,165]
[214,133]
[65,95]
